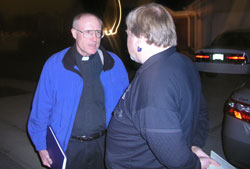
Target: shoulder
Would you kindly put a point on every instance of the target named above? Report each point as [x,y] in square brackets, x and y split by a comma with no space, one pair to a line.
[114,56]
[54,62]
[56,58]
[59,55]
[117,60]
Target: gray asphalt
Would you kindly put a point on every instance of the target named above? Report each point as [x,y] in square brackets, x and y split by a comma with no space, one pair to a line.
[16,149]
[8,163]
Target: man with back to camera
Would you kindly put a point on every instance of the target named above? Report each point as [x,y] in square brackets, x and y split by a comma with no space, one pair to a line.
[161,120]
[78,89]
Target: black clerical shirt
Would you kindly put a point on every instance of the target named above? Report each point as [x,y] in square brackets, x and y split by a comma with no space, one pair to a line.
[91,115]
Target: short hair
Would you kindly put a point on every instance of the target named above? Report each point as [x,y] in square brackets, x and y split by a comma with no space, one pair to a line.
[79,16]
[153,22]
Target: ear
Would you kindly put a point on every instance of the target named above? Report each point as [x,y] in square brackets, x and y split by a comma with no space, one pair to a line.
[141,42]
[73,32]
[138,41]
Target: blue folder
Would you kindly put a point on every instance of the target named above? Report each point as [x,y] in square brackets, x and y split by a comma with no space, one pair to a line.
[55,150]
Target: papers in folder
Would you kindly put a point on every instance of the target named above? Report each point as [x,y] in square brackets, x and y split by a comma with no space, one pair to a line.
[55,150]
[224,164]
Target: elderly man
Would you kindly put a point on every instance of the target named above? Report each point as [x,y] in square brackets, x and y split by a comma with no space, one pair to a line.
[78,89]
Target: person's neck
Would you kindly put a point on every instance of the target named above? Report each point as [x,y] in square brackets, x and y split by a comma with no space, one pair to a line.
[152,50]
[82,52]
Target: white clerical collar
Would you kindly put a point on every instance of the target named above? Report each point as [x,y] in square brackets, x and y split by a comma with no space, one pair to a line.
[85,58]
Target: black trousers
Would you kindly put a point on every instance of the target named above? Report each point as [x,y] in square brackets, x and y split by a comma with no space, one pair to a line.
[86,154]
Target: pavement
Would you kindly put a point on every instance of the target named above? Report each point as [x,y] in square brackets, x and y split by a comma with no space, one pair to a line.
[16,150]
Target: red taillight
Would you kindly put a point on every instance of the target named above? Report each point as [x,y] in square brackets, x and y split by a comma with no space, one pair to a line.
[237,115]
[235,57]
[202,56]
[241,115]
[231,111]
[238,110]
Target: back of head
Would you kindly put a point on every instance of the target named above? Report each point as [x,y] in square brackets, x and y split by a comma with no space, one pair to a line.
[153,22]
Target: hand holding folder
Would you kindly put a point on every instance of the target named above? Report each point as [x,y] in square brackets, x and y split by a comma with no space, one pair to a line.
[46,160]
[55,150]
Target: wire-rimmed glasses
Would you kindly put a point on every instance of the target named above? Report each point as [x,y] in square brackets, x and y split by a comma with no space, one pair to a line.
[90,33]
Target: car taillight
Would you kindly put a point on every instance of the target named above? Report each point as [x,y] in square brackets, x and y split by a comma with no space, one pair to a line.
[202,56]
[236,57]
[238,110]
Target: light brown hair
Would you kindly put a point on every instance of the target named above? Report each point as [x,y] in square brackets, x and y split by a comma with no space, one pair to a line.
[153,22]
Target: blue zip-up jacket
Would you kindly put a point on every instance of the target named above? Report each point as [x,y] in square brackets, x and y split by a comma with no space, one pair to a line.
[59,90]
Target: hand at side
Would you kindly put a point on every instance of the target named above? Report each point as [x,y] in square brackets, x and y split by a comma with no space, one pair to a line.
[46,160]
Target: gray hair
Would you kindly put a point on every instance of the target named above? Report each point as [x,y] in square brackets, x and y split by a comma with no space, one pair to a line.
[79,16]
[153,22]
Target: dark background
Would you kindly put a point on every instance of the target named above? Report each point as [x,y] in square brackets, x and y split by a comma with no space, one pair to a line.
[41,34]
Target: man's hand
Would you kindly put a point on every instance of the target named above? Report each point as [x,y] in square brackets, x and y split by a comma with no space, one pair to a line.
[205,160]
[46,160]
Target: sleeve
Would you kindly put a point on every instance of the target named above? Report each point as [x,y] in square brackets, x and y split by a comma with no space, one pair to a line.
[120,79]
[165,139]
[124,76]
[41,110]
[159,124]
[121,73]
[202,127]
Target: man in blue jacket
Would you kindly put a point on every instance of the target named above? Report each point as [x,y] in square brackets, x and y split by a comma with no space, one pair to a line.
[78,89]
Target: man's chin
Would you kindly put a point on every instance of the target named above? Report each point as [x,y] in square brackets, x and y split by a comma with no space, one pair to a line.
[91,52]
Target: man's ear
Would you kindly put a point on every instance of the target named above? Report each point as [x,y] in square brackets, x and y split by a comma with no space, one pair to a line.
[138,41]
[141,41]
[73,32]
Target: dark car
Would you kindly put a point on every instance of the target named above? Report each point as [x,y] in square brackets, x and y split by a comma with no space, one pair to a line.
[228,53]
[236,127]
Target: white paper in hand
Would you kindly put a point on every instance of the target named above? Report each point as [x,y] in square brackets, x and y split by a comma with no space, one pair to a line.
[224,164]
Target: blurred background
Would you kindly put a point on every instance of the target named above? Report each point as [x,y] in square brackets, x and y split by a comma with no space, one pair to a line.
[31,31]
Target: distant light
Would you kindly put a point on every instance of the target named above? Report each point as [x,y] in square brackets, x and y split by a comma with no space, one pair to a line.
[115,27]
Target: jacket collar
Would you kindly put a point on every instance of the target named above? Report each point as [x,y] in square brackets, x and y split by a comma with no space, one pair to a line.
[156,58]
[69,61]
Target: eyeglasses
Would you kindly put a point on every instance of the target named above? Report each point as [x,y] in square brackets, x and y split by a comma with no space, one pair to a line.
[90,33]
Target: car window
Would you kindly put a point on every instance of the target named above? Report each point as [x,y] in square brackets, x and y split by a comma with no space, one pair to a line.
[237,40]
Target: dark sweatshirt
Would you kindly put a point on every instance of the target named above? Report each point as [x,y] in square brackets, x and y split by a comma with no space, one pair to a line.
[160,116]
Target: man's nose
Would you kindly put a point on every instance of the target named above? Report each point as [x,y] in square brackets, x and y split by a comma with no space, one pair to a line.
[94,36]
